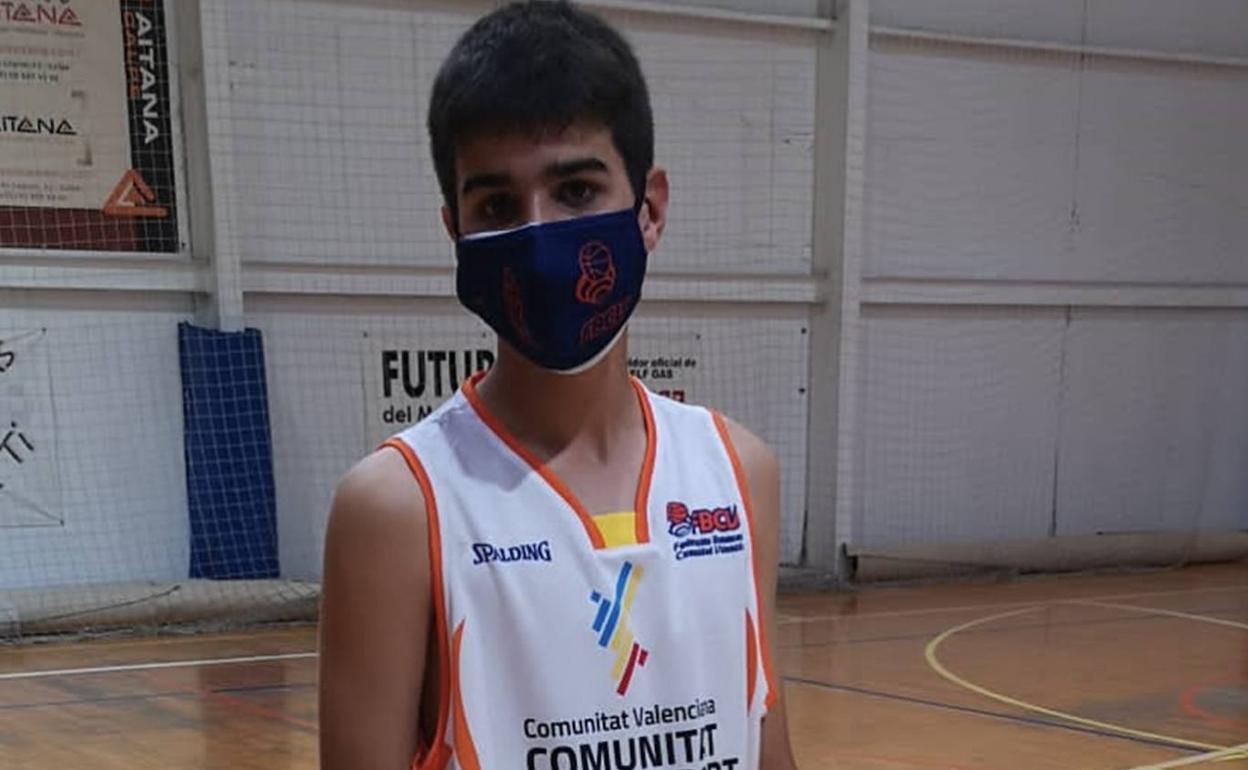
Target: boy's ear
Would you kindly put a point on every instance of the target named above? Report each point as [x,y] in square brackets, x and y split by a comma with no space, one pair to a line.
[448,221]
[653,215]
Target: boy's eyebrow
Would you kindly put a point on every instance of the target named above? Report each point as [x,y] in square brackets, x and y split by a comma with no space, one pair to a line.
[556,170]
[574,166]
[484,180]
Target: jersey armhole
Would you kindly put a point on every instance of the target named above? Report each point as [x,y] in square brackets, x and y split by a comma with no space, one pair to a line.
[743,488]
[436,756]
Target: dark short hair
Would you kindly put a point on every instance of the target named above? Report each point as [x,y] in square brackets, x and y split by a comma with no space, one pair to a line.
[540,66]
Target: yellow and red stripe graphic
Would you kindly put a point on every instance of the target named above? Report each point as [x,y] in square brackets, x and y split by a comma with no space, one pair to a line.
[611,625]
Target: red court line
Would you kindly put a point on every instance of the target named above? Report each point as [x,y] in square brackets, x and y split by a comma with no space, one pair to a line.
[1187,701]
[255,709]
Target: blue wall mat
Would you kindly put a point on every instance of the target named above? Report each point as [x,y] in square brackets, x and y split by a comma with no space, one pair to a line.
[229,454]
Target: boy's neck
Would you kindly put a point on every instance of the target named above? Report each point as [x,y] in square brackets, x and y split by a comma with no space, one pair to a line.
[548,411]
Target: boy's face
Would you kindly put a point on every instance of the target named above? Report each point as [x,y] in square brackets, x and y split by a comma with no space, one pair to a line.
[515,179]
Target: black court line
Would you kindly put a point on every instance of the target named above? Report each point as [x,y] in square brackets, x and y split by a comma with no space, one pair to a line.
[265,687]
[1000,629]
[1026,720]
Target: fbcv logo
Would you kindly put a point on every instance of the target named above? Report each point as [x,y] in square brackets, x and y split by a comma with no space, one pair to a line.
[682,522]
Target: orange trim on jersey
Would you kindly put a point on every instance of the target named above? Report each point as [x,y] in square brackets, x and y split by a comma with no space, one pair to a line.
[465,749]
[744,489]
[556,483]
[641,505]
[751,662]
[437,759]
[438,755]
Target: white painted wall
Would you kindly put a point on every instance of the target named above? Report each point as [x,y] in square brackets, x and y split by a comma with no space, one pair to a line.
[1154,430]
[1217,27]
[1034,187]
[782,7]
[117,400]
[332,174]
[970,161]
[328,102]
[1160,184]
[752,368]
[960,418]
[1214,27]
[1015,166]
[1058,20]
[315,112]
[1066,204]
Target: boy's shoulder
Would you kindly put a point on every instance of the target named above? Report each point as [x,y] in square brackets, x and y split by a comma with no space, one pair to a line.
[756,458]
[378,503]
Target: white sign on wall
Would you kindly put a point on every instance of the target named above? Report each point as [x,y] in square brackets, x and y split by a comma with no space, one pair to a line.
[86,126]
[406,378]
[667,364]
[29,482]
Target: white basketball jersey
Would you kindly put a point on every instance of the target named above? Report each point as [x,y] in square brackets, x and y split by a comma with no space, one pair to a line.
[577,642]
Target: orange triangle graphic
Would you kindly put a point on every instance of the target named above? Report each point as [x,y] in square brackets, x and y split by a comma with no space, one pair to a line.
[132,198]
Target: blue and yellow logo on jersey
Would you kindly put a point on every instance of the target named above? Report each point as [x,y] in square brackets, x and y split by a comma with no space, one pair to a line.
[611,625]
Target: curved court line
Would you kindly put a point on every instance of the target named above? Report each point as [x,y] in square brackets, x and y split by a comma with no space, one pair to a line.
[1160,611]
[150,666]
[1222,755]
[933,661]
[1187,702]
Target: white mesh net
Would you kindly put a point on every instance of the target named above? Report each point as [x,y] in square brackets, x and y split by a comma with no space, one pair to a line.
[1039,357]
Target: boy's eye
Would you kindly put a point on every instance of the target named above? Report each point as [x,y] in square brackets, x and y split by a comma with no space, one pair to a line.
[496,208]
[577,193]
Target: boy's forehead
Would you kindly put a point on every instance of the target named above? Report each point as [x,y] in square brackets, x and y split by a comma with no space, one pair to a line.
[530,153]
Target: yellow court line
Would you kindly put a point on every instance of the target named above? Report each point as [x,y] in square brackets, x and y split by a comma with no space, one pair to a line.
[934,662]
[1232,754]
[1160,611]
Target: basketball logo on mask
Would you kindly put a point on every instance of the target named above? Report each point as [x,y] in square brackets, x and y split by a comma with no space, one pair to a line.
[597,273]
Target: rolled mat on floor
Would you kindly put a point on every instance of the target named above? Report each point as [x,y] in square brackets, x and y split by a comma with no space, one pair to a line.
[1057,554]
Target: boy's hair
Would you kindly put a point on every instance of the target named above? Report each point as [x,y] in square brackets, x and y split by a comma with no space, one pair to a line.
[536,67]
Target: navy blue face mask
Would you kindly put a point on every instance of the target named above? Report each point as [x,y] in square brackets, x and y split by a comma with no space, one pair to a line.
[558,292]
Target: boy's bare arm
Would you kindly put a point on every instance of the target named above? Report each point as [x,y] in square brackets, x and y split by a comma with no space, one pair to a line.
[375,616]
[762,477]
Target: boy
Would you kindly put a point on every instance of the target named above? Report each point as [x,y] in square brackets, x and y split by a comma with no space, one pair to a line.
[556,570]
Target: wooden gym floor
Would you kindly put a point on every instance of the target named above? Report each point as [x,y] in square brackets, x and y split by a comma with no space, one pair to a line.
[1070,673]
